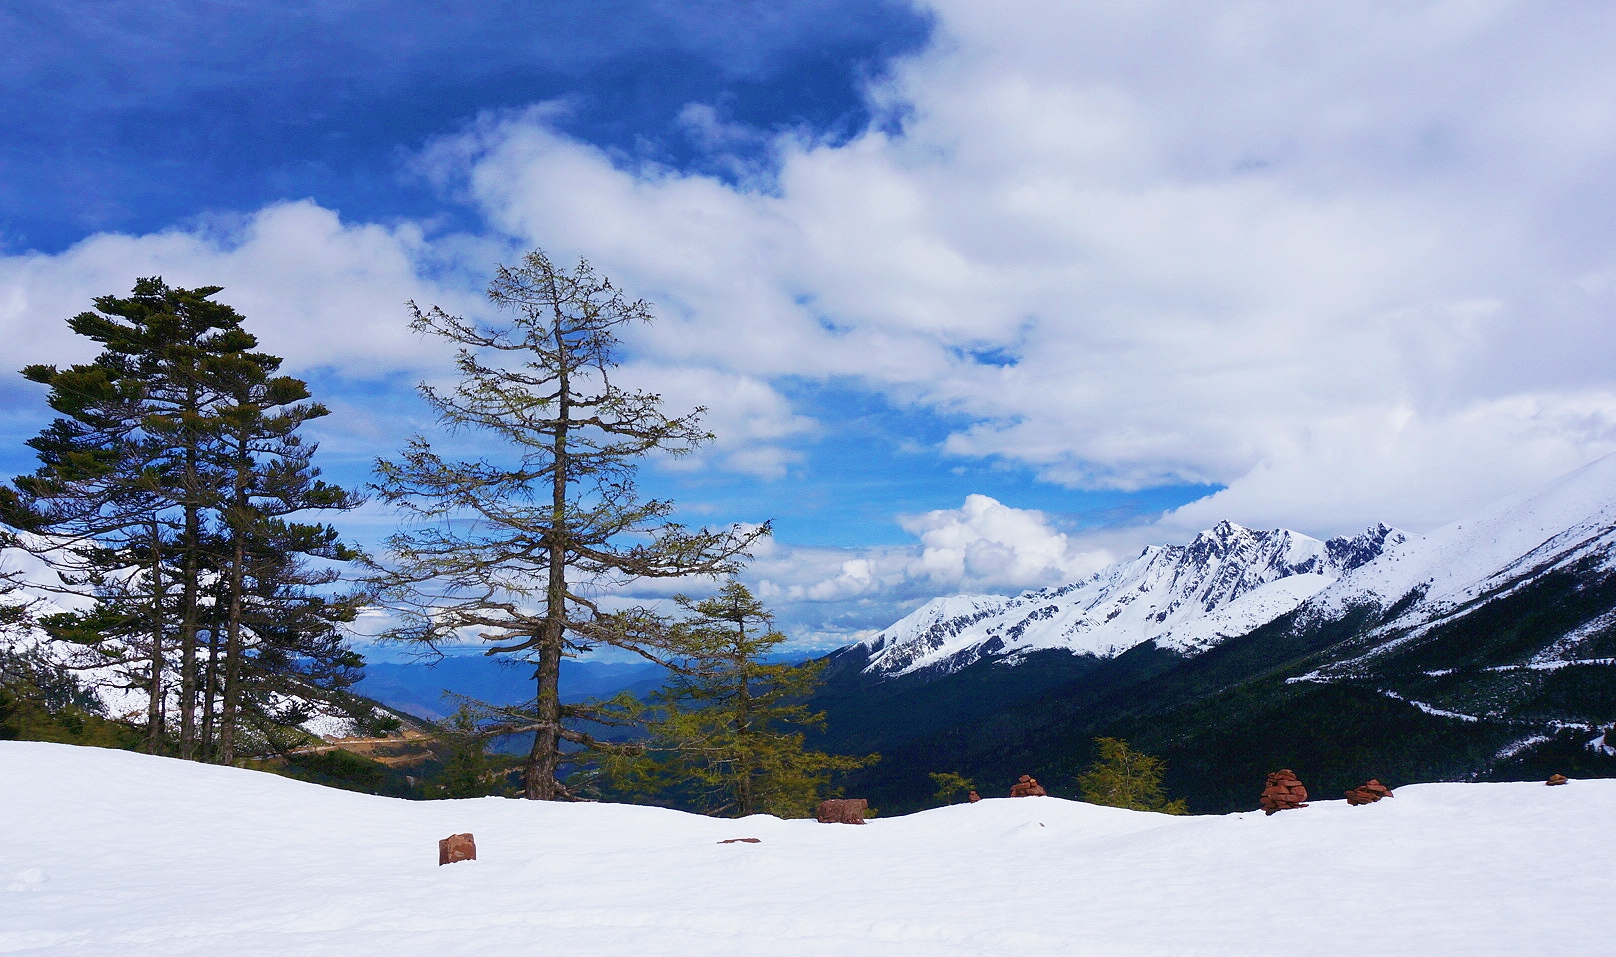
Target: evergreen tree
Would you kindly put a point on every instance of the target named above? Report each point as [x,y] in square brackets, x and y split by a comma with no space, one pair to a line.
[468,772]
[951,786]
[282,642]
[97,511]
[167,474]
[731,735]
[1123,777]
[509,547]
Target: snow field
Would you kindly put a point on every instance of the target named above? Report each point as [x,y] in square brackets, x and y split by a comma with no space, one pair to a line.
[109,853]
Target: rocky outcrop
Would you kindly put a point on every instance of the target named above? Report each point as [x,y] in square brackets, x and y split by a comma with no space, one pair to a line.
[1282,792]
[843,811]
[1027,786]
[457,847]
[1368,793]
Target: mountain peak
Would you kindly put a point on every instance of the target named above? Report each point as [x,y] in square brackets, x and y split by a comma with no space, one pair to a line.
[1227,580]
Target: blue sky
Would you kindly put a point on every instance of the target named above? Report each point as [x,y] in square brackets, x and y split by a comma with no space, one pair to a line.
[980,296]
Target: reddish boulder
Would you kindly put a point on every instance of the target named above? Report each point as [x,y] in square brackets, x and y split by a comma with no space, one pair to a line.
[457,847]
[1368,793]
[1282,792]
[1556,779]
[1027,786]
[973,797]
[843,811]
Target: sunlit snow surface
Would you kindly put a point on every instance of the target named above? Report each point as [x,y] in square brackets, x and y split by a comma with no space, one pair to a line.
[110,853]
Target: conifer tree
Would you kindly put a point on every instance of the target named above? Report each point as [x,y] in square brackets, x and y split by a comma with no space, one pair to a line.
[98,499]
[1123,777]
[951,785]
[731,734]
[170,469]
[281,639]
[510,547]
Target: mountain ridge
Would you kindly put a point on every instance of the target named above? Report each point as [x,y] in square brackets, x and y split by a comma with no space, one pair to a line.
[1227,580]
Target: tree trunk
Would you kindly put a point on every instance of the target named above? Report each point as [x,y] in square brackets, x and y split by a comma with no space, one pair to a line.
[544,761]
[232,668]
[188,603]
[209,693]
[154,685]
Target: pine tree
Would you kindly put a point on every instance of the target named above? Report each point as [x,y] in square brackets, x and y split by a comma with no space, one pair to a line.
[1123,777]
[98,499]
[951,786]
[510,547]
[170,471]
[468,772]
[733,723]
[281,639]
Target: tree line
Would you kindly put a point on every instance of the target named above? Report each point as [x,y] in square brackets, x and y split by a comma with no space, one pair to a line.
[177,502]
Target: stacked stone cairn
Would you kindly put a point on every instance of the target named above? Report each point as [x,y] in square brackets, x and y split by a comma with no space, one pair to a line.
[1282,792]
[1368,793]
[1027,786]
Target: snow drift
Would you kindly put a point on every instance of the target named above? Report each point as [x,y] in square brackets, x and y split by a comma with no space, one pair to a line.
[116,853]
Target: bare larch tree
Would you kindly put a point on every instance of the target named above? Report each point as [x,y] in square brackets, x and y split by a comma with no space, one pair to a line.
[516,546]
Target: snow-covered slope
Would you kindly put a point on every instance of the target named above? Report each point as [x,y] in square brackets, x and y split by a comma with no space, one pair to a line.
[1567,526]
[116,853]
[1226,582]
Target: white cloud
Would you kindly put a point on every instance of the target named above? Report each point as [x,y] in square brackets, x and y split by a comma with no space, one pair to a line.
[1351,260]
[1346,256]
[318,291]
[985,545]
[827,596]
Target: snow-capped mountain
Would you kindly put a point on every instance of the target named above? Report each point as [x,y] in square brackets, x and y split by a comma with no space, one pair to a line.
[1564,531]
[1226,582]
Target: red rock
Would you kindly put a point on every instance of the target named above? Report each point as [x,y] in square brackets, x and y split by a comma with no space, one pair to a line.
[1368,793]
[1027,786]
[743,840]
[973,797]
[1282,791]
[457,847]
[843,811]
[1556,779]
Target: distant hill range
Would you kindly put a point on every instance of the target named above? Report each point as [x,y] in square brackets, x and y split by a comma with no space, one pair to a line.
[421,688]
[1483,650]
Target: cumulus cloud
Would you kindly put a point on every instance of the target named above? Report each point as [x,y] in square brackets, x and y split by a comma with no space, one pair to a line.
[828,596]
[329,296]
[985,544]
[1347,257]
[321,292]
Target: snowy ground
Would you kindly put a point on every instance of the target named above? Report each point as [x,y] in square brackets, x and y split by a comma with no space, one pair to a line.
[109,853]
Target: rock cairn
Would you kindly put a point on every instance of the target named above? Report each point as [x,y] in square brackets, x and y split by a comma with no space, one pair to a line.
[1368,793]
[457,847]
[843,811]
[1027,786]
[1556,779]
[1282,792]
